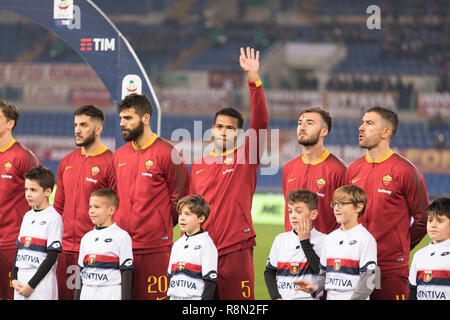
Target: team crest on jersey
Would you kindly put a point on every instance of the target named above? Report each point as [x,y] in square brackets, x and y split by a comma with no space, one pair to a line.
[294,269]
[95,170]
[387,180]
[320,183]
[337,264]
[27,242]
[91,260]
[8,166]
[427,276]
[181,266]
[148,164]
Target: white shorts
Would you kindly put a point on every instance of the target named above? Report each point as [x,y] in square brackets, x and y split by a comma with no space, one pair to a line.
[47,289]
[112,292]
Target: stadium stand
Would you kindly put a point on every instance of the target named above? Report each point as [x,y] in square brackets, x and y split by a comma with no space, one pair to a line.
[409,56]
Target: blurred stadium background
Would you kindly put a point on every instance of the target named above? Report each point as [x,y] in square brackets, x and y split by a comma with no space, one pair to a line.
[313,52]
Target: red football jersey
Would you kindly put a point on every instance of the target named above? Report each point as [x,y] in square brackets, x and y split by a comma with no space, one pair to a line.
[228,182]
[15,161]
[322,176]
[78,176]
[396,191]
[150,181]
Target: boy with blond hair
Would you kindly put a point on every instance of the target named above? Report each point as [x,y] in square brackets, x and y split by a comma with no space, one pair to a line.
[349,259]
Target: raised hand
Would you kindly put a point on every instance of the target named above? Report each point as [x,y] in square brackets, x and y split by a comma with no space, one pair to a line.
[249,61]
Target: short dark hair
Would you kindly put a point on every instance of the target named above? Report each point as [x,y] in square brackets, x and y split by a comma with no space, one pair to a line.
[231,112]
[109,194]
[139,102]
[325,115]
[440,207]
[43,175]
[196,204]
[92,111]
[388,115]
[10,111]
[302,195]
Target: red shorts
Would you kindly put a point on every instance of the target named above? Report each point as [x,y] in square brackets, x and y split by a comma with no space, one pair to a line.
[6,264]
[149,276]
[393,286]
[236,276]
[67,274]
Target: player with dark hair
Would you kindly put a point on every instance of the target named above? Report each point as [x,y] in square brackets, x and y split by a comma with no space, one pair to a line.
[316,169]
[151,178]
[81,172]
[226,178]
[15,161]
[396,192]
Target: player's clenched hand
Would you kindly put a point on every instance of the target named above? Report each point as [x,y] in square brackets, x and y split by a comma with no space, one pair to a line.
[249,61]
[305,286]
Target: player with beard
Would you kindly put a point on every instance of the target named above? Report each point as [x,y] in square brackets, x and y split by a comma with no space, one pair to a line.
[80,173]
[396,192]
[151,178]
[316,169]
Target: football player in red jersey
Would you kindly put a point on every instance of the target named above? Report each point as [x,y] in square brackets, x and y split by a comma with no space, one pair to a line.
[80,173]
[316,169]
[396,192]
[151,177]
[226,178]
[15,161]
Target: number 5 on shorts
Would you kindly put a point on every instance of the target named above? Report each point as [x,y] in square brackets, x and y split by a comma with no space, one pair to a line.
[246,290]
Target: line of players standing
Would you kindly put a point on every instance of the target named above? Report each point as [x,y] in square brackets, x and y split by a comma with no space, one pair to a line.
[149,183]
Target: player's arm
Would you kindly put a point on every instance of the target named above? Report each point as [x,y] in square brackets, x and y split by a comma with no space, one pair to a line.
[365,284]
[59,200]
[417,200]
[177,181]
[249,62]
[270,277]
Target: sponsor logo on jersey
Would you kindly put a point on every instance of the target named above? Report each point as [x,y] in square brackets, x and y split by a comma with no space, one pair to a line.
[320,183]
[148,164]
[387,180]
[95,170]
[290,180]
[355,180]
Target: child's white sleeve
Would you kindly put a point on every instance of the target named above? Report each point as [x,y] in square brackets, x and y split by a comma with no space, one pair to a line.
[368,255]
[272,260]
[126,253]
[54,233]
[82,253]
[209,262]
[412,279]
